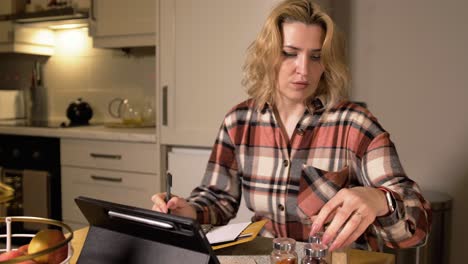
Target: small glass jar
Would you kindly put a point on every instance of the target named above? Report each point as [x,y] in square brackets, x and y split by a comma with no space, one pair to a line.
[283,251]
[316,238]
[315,253]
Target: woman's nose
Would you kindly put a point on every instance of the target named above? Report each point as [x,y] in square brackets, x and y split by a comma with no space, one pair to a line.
[301,65]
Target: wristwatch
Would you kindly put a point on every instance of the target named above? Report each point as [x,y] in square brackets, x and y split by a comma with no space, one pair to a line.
[390,200]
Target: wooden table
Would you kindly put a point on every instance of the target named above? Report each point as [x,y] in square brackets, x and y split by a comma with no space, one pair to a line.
[256,251]
[77,242]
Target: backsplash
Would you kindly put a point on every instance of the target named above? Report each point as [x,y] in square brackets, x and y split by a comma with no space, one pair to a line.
[79,70]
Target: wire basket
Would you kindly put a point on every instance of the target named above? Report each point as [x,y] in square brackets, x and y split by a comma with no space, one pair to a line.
[28,219]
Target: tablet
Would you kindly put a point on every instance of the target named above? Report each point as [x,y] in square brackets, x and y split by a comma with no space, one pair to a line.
[125,234]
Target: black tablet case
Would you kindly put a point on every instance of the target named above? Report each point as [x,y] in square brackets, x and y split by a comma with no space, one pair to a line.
[125,236]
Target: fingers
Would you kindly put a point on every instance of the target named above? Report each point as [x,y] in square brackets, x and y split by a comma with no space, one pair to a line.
[354,235]
[352,229]
[342,219]
[354,210]
[159,204]
[326,213]
[180,206]
[175,203]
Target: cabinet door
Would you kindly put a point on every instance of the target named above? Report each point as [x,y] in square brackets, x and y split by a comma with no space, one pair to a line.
[6,32]
[202,50]
[113,155]
[123,23]
[133,189]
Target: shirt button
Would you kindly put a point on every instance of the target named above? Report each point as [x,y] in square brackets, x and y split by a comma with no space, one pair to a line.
[286,163]
[300,131]
[280,207]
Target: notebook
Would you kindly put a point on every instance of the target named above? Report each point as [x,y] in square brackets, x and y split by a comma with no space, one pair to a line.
[233,234]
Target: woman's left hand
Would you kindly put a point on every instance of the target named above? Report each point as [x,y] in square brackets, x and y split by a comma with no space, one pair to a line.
[351,211]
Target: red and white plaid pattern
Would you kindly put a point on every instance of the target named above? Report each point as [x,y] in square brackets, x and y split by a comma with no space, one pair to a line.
[287,181]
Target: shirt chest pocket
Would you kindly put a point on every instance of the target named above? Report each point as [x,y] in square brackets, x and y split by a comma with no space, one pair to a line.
[316,187]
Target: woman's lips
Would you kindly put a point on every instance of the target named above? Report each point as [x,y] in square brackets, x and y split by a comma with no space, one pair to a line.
[300,84]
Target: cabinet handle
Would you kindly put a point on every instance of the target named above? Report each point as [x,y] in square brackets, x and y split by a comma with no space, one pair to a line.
[164,105]
[91,10]
[11,35]
[104,178]
[105,156]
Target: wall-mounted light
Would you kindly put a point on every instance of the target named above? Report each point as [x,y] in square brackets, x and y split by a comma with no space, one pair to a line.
[71,42]
[68,26]
[68,37]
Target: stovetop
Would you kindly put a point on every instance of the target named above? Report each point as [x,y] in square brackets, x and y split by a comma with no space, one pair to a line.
[42,123]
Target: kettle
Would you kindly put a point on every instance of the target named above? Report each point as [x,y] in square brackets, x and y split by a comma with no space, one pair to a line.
[124,110]
[79,112]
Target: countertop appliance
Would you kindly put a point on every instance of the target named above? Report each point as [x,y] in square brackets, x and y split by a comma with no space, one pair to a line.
[79,112]
[11,104]
[12,113]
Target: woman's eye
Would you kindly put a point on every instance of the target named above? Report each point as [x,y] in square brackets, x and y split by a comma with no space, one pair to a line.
[289,54]
[315,57]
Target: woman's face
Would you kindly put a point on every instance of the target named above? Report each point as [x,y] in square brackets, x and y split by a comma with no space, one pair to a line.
[300,68]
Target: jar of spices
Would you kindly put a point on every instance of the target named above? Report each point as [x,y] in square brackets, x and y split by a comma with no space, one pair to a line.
[283,251]
[314,253]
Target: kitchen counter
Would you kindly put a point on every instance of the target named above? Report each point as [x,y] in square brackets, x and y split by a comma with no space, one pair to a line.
[257,252]
[145,135]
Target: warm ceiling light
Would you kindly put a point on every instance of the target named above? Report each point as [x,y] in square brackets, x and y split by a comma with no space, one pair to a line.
[67,26]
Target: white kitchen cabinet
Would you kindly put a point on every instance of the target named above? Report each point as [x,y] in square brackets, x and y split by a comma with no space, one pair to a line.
[123,23]
[120,172]
[113,155]
[202,50]
[16,38]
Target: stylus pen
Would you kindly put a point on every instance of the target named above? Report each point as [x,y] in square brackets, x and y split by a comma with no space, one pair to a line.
[168,188]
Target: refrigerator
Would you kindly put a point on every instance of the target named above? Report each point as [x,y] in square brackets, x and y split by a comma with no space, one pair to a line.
[187,166]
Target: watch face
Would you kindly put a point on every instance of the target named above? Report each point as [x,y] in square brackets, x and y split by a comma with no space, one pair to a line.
[390,202]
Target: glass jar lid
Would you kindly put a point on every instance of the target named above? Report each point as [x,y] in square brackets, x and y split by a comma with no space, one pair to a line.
[315,250]
[284,243]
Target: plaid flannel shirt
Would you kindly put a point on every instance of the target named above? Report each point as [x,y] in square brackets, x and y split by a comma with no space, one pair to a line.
[288,180]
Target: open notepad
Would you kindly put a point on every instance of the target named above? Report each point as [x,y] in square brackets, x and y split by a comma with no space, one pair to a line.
[232,234]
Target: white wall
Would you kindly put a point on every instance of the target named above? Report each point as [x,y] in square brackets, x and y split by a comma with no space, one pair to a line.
[409,63]
[98,75]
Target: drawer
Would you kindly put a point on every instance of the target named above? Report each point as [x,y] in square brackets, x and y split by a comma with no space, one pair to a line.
[133,189]
[122,156]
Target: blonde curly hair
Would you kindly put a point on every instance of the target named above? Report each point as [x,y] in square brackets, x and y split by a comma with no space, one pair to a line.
[264,55]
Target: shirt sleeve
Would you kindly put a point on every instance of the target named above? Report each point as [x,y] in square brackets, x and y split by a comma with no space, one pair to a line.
[217,199]
[409,224]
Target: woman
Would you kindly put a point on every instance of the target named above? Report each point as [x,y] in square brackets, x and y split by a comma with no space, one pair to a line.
[302,155]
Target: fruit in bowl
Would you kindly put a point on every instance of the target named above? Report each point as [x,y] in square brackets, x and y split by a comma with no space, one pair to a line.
[21,251]
[45,239]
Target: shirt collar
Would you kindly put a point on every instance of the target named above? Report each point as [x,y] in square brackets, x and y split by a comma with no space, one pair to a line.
[316,105]
[313,105]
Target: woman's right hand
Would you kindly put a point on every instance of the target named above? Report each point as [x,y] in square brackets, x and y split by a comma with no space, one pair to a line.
[178,206]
